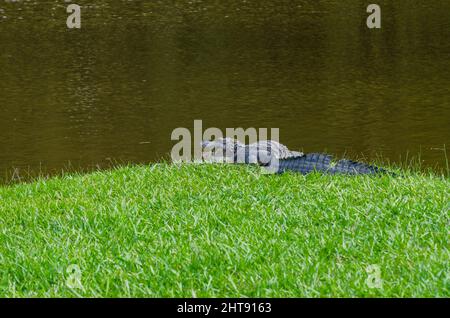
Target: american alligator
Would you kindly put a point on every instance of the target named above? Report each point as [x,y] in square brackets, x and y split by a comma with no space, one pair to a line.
[278,158]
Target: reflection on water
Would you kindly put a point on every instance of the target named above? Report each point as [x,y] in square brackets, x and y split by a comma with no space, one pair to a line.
[115,90]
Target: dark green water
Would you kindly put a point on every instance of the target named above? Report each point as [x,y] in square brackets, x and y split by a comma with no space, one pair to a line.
[115,89]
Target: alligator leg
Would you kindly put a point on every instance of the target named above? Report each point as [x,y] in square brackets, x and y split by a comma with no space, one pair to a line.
[324,163]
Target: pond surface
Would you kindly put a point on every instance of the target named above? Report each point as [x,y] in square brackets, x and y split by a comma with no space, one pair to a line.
[114,90]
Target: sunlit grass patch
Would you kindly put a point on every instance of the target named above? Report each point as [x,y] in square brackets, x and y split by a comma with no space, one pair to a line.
[211,230]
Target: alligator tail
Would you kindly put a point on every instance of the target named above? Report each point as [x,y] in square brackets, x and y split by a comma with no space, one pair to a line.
[324,163]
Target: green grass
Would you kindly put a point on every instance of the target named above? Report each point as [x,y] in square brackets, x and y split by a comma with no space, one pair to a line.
[208,230]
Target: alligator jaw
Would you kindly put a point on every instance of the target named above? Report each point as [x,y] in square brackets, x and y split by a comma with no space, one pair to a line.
[218,151]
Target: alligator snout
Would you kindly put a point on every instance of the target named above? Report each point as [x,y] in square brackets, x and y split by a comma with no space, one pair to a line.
[205,143]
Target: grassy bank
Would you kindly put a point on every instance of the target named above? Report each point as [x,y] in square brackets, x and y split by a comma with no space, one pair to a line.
[199,230]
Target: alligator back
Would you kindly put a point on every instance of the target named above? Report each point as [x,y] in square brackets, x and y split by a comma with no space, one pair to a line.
[324,163]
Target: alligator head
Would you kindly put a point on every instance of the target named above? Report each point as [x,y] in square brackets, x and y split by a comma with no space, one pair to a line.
[221,150]
[229,150]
